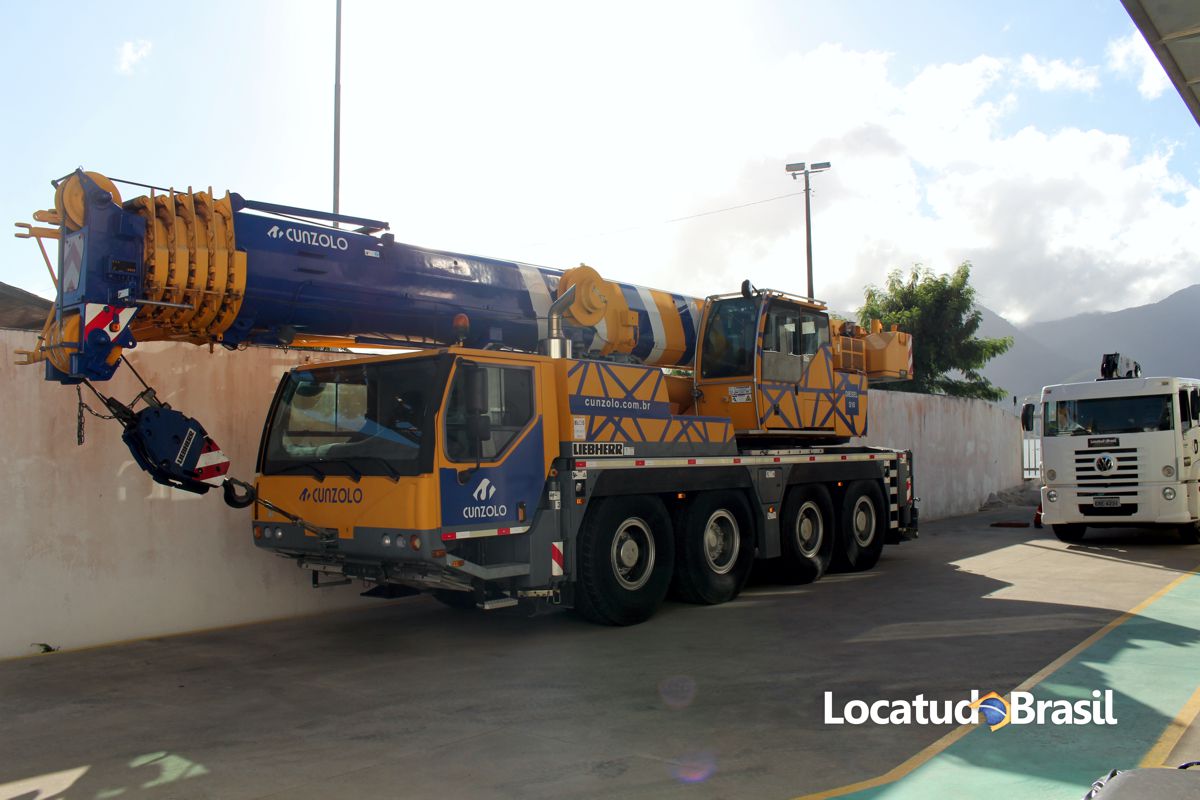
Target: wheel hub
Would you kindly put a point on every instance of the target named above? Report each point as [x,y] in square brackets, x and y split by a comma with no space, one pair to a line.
[632,554]
[721,541]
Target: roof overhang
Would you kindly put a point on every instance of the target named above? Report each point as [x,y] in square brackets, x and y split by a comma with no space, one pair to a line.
[1172,29]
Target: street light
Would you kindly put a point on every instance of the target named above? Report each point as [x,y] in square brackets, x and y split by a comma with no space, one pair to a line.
[807,169]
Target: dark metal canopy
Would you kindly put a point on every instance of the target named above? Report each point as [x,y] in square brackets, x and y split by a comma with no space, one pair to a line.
[1172,29]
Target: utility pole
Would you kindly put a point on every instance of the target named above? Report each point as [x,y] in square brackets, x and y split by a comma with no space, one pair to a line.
[337,110]
[807,169]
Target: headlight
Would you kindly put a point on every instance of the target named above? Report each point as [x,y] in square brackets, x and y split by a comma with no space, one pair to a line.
[1052,496]
[1168,493]
[1168,471]
[1051,474]
[279,533]
[387,541]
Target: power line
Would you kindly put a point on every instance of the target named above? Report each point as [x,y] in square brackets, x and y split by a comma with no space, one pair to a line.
[670,221]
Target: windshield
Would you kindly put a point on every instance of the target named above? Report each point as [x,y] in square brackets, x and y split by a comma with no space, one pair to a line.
[362,419]
[1108,415]
[729,339]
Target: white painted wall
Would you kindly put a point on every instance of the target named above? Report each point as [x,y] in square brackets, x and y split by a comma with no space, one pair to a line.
[963,450]
[95,552]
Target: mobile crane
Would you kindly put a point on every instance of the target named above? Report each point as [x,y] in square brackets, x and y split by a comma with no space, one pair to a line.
[532,447]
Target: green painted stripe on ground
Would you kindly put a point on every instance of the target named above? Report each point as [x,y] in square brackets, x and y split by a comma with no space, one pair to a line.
[1150,664]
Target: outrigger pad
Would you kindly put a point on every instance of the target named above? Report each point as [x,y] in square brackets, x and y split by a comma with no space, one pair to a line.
[175,450]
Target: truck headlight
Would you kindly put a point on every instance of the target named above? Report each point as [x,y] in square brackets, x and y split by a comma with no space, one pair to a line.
[1052,496]
[1051,474]
[1168,493]
[1168,471]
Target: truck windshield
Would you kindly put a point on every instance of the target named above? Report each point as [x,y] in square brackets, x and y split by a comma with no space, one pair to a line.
[1108,415]
[357,419]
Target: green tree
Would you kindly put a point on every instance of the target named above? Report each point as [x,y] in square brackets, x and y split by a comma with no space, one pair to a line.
[939,311]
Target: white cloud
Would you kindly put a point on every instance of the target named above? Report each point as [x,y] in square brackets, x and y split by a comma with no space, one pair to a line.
[1058,74]
[1132,56]
[130,54]
[506,155]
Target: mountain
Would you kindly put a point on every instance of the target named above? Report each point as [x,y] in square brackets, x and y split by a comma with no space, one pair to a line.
[1164,337]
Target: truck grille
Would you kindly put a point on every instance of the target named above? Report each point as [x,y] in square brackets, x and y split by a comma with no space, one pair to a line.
[1119,482]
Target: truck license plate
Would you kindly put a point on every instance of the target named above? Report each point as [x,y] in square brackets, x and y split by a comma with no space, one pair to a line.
[1106,502]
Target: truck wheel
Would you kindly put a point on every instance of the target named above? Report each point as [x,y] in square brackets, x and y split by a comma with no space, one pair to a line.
[1189,534]
[807,533]
[714,548]
[626,551]
[1069,533]
[862,525]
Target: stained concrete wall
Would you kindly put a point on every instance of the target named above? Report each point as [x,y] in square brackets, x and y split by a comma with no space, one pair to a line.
[964,450]
[95,552]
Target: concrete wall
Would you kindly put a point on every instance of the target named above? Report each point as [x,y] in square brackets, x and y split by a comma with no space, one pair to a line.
[93,550]
[964,450]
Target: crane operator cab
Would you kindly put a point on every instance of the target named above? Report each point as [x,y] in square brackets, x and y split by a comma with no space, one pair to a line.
[767,361]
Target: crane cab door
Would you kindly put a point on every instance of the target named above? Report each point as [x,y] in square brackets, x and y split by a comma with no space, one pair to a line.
[727,358]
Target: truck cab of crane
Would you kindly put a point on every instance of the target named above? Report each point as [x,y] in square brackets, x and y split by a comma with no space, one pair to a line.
[403,465]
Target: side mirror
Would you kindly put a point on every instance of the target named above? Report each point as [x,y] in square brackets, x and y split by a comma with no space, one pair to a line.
[1027,417]
[479,427]
[477,389]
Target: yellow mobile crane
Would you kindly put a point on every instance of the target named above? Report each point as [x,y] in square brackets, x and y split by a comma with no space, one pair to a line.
[534,448]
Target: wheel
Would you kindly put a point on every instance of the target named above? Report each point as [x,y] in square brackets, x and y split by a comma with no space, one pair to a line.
[714,548]
[1069,533]
[625,556]
[462,601]
[807,533]
[862,524]
[1189,534]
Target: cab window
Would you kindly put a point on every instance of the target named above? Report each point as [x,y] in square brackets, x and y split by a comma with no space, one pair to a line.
[729,338]
[510,407]
[791,337]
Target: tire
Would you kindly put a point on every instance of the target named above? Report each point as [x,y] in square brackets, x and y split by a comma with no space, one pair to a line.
[1189,534]
[861,527]
[460,601]
[714,548]
[625,558]
[1070,533]
[807,534]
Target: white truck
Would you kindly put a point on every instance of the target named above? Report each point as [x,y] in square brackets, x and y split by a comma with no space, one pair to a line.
[1121,451]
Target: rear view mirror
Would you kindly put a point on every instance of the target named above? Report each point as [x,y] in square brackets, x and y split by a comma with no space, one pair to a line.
[479,427]
[477,389]
[1027,417]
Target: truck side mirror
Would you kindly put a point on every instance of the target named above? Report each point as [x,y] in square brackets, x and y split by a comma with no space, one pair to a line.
[477,389]
[1027,417]
[479,427]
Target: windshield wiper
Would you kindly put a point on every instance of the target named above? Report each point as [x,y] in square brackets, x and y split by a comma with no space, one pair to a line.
[392,471]
[320,473]
[357,475]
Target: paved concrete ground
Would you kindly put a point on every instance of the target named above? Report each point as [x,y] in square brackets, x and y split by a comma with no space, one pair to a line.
[414,700]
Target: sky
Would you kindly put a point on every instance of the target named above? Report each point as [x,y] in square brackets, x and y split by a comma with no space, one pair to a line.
[1040,141]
